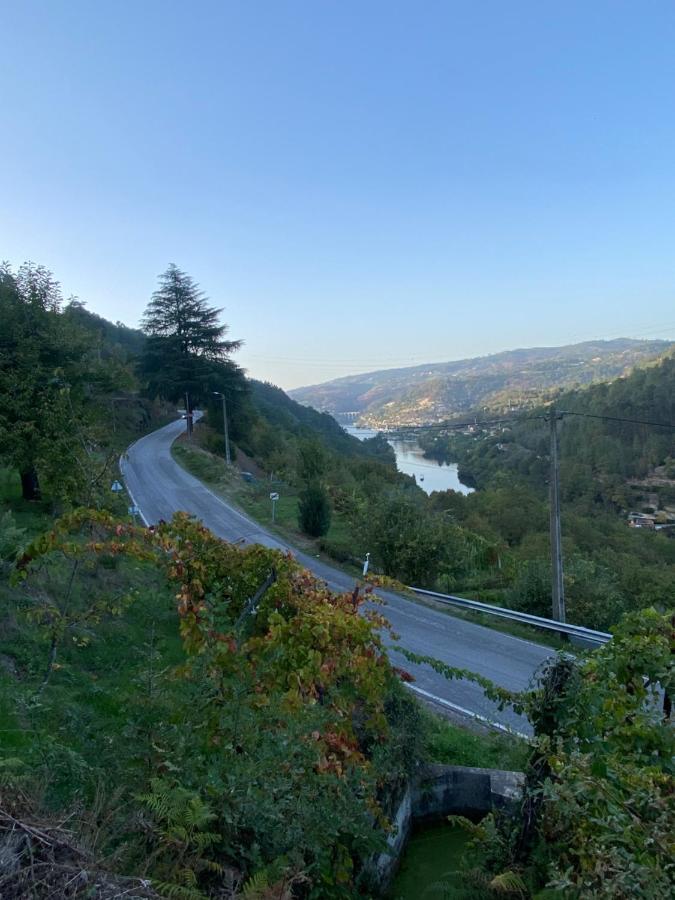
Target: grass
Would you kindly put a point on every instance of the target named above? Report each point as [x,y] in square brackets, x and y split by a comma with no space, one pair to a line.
[453,745]
[80,737]
[254,500]
[82,731]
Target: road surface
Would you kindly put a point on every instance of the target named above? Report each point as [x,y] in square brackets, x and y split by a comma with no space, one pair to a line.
[160,487]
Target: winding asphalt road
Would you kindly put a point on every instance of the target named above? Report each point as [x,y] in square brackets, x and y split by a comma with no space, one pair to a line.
[160,487]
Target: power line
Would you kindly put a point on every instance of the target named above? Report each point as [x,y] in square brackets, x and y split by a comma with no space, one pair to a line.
[618,419]
[448,426]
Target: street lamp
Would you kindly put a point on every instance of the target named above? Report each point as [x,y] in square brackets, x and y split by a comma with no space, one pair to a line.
[227,437]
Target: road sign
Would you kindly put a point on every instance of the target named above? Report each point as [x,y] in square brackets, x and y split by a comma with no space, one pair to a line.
[274,496]
[133,511]
[116,487]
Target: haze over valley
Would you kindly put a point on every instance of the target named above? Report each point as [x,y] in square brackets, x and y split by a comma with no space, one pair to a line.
[515,379]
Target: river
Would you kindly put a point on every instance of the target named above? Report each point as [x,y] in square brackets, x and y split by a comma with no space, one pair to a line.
[430,475]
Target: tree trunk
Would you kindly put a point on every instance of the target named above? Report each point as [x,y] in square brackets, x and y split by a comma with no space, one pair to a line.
[30,486]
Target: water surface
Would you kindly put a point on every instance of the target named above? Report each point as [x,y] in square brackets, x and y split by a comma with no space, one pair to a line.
[429,475]
[432,858]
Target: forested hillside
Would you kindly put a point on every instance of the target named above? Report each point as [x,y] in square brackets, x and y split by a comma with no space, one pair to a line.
[70,397]
[181,717]
[515,379]
[157,730]
[603,446]
[609,466]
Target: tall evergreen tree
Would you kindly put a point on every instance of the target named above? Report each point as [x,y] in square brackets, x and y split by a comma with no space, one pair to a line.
[186,348]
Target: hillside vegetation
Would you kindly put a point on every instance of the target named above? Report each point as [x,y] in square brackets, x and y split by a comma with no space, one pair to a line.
[606,470]
[515,379]
[181,717]
[178,717]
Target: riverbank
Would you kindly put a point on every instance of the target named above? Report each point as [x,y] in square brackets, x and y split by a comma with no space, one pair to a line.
[410,460]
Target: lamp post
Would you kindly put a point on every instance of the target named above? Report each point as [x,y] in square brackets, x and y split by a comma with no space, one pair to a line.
[227,437]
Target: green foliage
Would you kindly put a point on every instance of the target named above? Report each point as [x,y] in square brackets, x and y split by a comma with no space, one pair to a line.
[598,813]
[65,377]
[500,695]
[593,592]
[61,588]
[508,883]
[41,380]
[186,349]
[609,568]
[271,744]
[417,546]
[290,417]
[314,510]
[312,461]
[182,839]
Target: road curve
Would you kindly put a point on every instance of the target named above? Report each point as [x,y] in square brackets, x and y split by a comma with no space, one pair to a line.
[160,487]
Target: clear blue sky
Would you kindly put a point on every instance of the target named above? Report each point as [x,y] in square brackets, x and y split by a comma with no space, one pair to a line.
[359,184]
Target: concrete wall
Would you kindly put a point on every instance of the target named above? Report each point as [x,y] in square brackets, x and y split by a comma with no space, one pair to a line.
[440,791]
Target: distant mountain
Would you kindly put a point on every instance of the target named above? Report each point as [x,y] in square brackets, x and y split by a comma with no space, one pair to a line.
[515,379]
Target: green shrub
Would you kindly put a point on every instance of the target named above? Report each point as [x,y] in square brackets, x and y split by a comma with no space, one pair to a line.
[314,512]
[214,442]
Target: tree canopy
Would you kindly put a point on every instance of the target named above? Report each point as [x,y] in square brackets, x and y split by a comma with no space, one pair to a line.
[186,348]
[42,370]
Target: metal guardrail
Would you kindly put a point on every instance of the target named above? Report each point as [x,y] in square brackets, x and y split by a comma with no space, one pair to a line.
[578,631]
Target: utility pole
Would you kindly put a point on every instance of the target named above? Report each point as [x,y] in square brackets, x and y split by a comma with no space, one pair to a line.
[557,584]
[188,415]
[225,429]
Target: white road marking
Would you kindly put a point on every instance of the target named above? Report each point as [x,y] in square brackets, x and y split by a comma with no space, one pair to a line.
[133,500]
[467,712]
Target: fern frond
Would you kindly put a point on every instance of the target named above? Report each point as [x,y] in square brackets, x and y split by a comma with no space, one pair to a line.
[178,833]
[188,878]
[212,866]
[474,829]
[197,813]
[508,883]
[256,886]
[176,891]
[204,839]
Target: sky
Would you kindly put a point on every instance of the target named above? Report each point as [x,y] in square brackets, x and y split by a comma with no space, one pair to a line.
[360,185]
